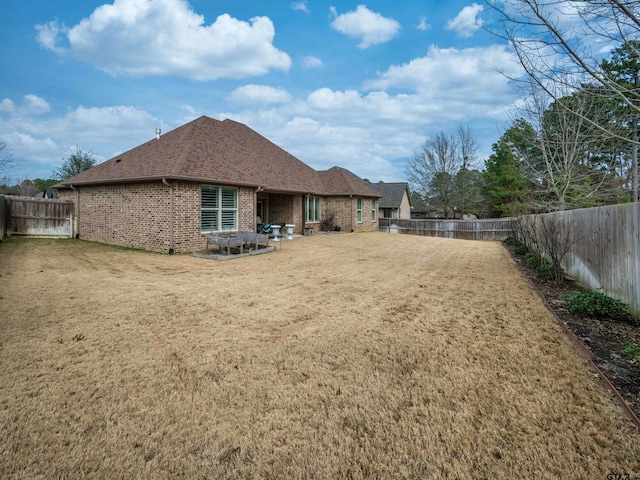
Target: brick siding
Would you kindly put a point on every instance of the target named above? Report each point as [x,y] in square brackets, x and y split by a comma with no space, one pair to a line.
[343,211]
[137,215]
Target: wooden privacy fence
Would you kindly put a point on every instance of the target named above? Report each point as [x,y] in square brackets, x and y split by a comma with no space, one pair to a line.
[38,217]
[481,229]
[604,248]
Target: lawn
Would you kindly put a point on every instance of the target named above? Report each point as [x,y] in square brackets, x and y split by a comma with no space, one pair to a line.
[347,356]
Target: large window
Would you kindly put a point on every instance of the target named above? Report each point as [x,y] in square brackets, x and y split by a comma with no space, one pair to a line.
[359,210]
[374,208]
[218,209]
[312,208]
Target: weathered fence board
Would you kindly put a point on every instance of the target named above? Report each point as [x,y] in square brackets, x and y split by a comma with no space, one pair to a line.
[481,229]
[38,217]
[3,217]
[605,250]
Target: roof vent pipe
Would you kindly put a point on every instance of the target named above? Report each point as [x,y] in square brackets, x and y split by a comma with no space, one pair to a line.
[158,134]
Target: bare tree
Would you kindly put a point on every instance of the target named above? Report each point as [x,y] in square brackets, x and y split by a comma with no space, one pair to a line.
[561,163]
[7,160]
[432,171]
[550,237]
[468,151]
[554,41]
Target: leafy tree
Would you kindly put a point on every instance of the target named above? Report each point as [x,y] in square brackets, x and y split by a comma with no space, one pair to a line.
[554,43]
[505,183]
[566,157]
[624,69]
[470,191]
[77,161]
[41,184]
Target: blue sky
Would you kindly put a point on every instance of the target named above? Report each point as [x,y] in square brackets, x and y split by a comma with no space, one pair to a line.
[358,85]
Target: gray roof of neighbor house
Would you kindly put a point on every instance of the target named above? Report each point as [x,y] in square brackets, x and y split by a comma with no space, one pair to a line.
[391,193]
[419,206]
[214,151]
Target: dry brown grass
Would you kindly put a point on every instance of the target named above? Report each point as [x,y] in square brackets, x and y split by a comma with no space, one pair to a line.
[355,356]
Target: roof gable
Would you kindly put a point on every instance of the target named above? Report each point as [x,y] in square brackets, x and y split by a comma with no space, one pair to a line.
[392,193]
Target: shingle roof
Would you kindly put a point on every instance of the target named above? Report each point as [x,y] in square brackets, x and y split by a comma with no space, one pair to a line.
[339,181]
[419,206]
[209,150]
[391,193]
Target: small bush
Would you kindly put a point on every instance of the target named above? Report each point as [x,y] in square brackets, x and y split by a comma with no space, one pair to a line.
[520,249]
[595,303]
[510,241]
[532,259]
[546,270]
[632,351]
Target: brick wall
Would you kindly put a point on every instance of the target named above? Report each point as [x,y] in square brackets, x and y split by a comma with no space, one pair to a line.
[343,210]
[286,209]
[137,215]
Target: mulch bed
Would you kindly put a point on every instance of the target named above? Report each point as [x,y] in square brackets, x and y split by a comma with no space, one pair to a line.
[605,337]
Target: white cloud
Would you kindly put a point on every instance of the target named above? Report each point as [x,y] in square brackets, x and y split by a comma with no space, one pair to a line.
[40,143]
[311,62]
[48,33]
[374,131]
[166,37]
[259,95]
[468,75]
[423,25]
[370,27]
[467,21]
[7,105]
[300,6]
[36,105]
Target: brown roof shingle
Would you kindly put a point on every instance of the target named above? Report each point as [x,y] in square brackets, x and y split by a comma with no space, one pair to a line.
[339,181]
[209,150]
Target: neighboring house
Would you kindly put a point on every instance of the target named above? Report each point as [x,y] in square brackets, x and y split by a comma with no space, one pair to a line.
[211,176]
[420,209]
[396,199]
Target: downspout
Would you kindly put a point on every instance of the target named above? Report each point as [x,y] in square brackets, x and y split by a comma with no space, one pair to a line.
[164,180]
[259,189]
[77,219]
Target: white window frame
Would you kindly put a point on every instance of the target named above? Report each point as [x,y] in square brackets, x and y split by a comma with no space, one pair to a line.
[374,207]
[359,210]
[312,209]
[224,210]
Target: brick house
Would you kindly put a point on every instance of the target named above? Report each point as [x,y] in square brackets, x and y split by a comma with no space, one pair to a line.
[211,176]
[396,199]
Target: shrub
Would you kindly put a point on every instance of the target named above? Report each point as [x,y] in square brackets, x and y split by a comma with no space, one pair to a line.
[532,259]
[595,303]
[632,351]
[510,241]
[521,249]
[546,270]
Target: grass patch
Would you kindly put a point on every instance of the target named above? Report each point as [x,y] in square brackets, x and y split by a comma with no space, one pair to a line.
[343,356]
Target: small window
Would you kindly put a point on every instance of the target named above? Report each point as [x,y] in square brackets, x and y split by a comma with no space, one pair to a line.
[312,209]
[374,208]
[359,210]
[218,209]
